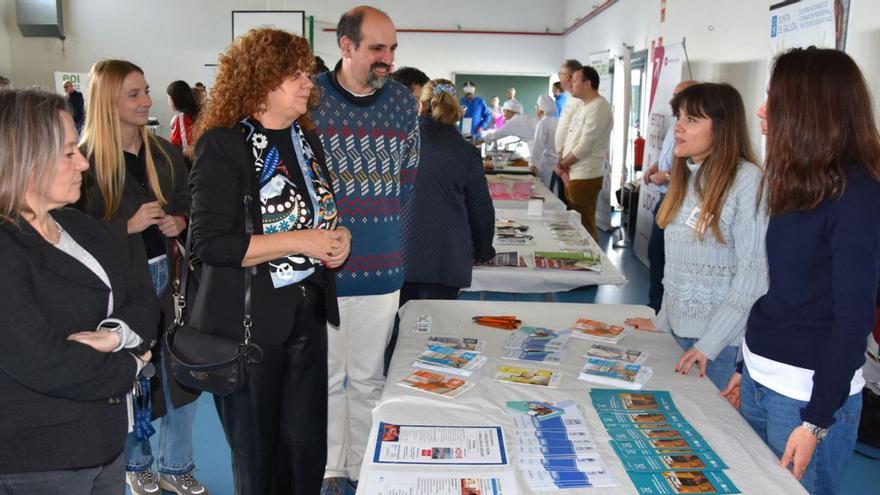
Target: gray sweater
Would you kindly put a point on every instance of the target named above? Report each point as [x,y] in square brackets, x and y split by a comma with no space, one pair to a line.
[709,287]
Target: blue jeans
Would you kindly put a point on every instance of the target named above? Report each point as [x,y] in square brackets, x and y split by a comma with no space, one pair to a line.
[774,416]
[657,260]
[160,273]
[175,439]
[719,369]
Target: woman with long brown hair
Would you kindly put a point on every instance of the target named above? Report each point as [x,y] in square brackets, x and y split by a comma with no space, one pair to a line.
[137,186]
[714,232]
[257,141]
[805,345]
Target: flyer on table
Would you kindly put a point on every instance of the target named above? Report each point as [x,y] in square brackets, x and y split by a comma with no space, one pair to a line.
[622,401]
[441,483]
[677,482]
[421,444]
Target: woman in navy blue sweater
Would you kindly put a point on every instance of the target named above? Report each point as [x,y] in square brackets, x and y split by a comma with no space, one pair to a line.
[800,388]
[449,221]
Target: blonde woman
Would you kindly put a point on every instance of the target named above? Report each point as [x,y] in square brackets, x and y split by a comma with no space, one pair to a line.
[449,221]
[716,263]
[137,186]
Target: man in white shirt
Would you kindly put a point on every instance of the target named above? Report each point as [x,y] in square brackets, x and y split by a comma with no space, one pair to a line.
[515,124]
[585,140]
[565,108]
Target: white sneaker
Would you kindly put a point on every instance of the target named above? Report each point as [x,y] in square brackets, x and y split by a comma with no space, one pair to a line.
[182,484]
[142,482]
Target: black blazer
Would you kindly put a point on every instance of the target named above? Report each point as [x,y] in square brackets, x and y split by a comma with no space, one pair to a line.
[218,187]
[172,175]
[62,403]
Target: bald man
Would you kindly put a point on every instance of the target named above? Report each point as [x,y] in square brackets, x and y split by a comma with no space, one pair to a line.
[658,174]
[369,128]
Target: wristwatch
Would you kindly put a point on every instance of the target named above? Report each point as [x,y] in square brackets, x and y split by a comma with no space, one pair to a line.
[814,430]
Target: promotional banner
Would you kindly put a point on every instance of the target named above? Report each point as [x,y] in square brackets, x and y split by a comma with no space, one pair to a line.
[600,62]
[666,66]
[801,23]
[80,81]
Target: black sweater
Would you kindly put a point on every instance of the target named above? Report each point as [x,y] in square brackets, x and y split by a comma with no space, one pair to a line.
[824,266]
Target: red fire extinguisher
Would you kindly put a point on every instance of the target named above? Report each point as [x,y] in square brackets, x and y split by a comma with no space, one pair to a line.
[638,151]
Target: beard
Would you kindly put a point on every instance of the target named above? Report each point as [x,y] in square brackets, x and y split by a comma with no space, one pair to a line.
[377,82]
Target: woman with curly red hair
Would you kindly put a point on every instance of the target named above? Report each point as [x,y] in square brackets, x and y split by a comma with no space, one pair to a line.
[256,141]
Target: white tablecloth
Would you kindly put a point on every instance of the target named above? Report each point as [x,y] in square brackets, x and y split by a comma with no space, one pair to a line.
[753,467]
[509,279]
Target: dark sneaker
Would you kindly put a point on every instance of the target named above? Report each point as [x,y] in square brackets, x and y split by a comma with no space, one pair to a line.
[182,484]
[334,486]
[142,482]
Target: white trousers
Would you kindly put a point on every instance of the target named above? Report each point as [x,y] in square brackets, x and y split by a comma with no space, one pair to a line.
[356,357]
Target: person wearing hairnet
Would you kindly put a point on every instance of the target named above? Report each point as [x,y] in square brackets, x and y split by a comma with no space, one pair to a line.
[544,156]
[515,124]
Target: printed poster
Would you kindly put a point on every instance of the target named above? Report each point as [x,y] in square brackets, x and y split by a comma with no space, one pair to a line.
[438,445]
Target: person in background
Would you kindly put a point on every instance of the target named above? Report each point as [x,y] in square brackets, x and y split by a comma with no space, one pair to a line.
[564,112]
[320,66]
[658,174]
[76,327]
[560,96]
[544,156]
[77,105]
[137,187]
[412,78]
[511,95]
[475,109]
[200,92]
[804,348]
[585,141]
[449,222]
[5,83]
[497,113]
[516,124]
[182,100]
[714,232]
[358,91]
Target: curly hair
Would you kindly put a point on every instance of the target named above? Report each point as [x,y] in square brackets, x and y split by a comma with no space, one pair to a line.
[255,64]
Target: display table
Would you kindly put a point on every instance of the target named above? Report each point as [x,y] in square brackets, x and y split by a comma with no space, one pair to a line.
[752,466]
[510,279]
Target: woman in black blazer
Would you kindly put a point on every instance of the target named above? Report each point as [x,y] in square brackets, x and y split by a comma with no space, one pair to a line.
[63,417]
[257,146]
[137,186]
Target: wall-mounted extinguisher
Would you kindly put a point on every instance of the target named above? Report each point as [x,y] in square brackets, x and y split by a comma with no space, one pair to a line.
[638,151]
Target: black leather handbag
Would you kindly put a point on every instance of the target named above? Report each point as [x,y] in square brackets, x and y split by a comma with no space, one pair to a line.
[208,362]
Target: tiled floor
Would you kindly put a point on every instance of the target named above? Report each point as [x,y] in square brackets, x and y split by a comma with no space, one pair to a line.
[212,452]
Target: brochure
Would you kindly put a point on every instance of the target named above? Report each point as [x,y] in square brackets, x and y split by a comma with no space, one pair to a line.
[608,400]
[568,260]
[615,373]
[537,409]
[506,258]
[646,434]
[677,482]
[549,480]
[525,376]
[545,357]
[570,421]
[588,464]
[457,343]
[574,435]
[604,351]
[449,360]
[513,240]
[418,444]
[560,449]
[441,483]
[537,339]
[692,461]
[632,448]
[596,330]
[641,419]
[436,384]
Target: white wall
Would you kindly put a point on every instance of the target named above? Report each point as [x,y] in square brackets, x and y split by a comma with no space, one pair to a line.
[727,40]
[173,39]
[7,22]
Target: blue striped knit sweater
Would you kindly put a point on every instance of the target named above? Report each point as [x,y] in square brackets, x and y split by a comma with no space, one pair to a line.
[372,149]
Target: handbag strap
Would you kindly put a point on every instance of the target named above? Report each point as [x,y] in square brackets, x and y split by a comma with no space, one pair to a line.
[180,299]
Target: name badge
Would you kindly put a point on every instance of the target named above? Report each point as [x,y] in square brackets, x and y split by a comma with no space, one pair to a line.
[694,217]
